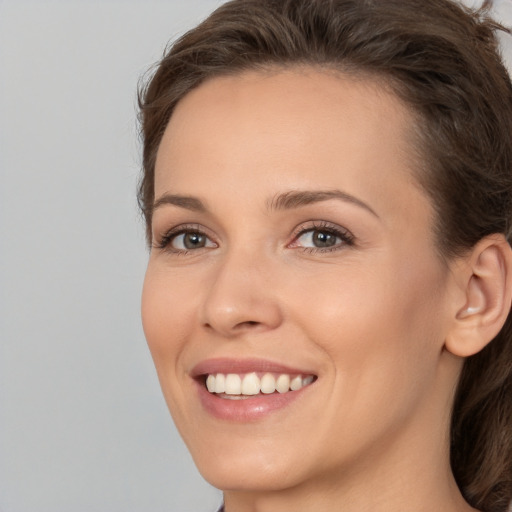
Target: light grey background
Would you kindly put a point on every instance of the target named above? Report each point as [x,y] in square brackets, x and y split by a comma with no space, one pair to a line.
[83,426]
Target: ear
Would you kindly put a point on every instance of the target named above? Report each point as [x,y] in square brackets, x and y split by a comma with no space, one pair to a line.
[485,281]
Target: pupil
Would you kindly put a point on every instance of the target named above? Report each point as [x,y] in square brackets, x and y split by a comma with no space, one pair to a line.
[193,240]
[323,239]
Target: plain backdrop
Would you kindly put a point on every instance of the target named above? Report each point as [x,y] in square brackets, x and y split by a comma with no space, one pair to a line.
[83,425]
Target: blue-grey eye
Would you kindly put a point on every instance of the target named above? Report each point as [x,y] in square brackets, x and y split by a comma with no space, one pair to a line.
[191,240]
[318,238]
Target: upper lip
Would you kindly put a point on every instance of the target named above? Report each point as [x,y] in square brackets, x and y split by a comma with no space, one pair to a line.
[228,365]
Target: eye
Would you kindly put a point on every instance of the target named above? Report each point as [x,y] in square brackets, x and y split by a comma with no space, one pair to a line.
[322,237]
[319,239]
[183,240]
[189,241]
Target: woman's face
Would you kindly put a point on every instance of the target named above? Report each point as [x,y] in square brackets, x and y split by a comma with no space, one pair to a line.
[290,239]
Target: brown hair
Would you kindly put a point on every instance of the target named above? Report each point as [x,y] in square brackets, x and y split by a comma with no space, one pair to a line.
[442,60]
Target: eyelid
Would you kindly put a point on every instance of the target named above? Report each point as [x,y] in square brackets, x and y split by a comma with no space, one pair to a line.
[163,241]
[347,238]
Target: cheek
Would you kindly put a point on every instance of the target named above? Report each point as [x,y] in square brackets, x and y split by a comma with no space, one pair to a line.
[381,304]
[166,316]
[382,330]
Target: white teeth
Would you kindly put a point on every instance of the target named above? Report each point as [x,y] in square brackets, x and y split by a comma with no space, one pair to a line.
[307,380]
[239,386]
[233,384]
[283,383]
[268,383]
[250,384]
[210,383]
[220,383]
[296,383]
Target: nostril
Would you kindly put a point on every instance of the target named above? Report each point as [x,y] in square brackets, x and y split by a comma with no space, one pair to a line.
[247,325]
[240,325]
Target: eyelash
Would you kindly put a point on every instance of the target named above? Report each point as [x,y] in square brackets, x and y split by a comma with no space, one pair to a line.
[169,236]
[346,237]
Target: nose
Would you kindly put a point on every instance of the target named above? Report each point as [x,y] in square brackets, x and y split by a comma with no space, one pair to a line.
[241,298]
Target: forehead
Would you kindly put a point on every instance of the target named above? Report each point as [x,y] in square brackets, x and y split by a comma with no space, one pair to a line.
[293,128]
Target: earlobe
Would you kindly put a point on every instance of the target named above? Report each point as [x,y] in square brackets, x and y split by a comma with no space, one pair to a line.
[487,290]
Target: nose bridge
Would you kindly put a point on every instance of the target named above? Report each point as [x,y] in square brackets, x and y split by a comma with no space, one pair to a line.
[240,296]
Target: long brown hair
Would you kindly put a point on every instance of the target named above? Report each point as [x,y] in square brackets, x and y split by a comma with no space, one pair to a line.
[442,60]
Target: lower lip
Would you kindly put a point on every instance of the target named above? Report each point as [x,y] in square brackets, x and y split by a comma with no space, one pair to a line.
[247,409]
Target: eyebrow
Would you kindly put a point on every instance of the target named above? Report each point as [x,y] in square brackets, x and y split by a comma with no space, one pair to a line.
[285,201]
[188,202]
[298,198]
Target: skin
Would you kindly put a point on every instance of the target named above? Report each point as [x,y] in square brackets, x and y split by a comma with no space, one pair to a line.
[369,318]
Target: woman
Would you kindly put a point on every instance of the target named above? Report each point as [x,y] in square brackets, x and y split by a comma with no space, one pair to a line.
[328,192]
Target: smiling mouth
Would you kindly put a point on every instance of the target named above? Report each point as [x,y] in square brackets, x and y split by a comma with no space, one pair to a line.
[234,386]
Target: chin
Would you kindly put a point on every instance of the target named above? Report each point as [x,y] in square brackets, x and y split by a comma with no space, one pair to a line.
[252,474]
[248,465]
